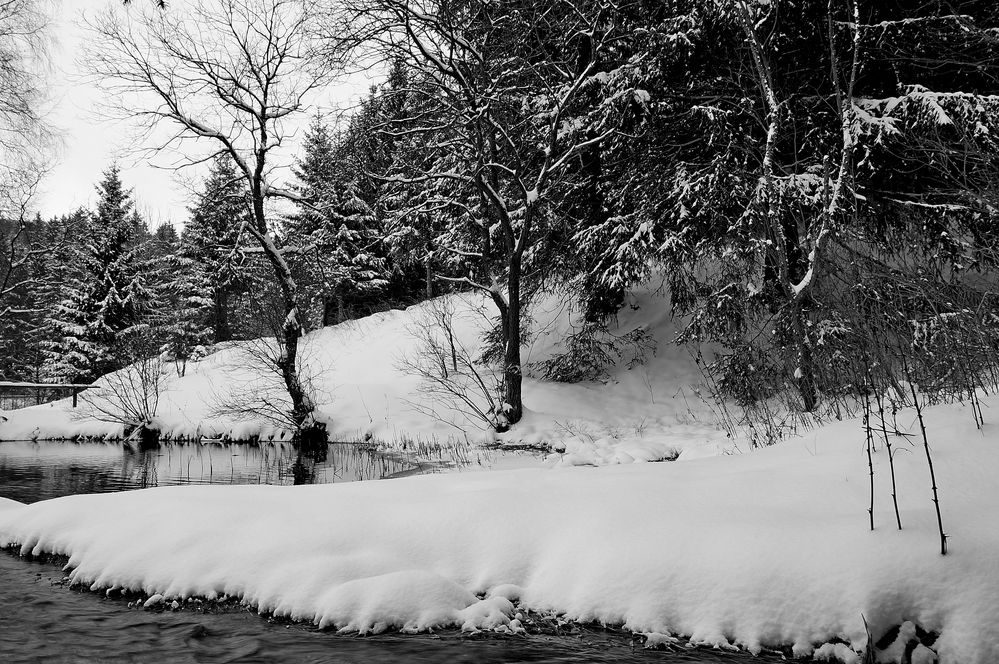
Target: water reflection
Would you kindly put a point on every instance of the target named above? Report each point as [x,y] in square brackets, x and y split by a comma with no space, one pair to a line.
[31,471]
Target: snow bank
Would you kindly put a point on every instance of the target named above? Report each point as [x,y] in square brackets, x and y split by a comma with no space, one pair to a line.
[762,549]
[643,412]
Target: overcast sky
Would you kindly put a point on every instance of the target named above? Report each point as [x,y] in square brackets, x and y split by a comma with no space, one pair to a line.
[90,142]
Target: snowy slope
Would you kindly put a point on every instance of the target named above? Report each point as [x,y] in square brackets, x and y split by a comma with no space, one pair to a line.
[646,412]
[769,548]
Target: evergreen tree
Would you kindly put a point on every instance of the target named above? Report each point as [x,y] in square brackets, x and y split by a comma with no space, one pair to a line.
[414,214]
[789,190]
[106,297]
[166,235]
[30,269]
[210,251]
[185,326]
[340,262]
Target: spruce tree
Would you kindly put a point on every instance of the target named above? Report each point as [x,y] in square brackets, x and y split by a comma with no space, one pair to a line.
[28,269]
[106,297]
[185,328]
[210,247]
[341,263]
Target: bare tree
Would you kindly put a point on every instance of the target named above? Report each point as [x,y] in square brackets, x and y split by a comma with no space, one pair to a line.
[24,139]
[23,53]
[261,397]
[17,192]
[131,396]
[448,372]
[230,73]
[503,92]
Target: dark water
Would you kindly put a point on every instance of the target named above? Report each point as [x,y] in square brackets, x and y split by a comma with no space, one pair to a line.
[42,620]
[31,471]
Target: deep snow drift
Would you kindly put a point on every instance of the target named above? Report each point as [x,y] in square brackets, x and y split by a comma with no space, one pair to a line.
[643,411]
[766,548]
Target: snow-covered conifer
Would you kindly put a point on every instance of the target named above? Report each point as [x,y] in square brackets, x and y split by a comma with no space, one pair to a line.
[335,234]
[210,253]
[106,296]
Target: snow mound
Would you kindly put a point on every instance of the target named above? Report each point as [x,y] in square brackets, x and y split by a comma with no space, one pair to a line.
[411,600]
[641,411]
[756,550]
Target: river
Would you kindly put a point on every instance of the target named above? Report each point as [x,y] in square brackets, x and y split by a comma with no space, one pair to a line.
[43,620]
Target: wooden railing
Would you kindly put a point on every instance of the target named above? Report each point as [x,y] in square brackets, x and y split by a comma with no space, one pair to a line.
[20,395]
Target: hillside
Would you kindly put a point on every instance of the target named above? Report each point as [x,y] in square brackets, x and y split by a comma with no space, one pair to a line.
[645,408]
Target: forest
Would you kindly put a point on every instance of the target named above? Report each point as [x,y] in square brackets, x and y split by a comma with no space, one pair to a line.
[813,184]
[560,275]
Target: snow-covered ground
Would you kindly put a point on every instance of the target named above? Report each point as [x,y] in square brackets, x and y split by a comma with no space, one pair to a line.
[761,549]
[769,548]
[643,411]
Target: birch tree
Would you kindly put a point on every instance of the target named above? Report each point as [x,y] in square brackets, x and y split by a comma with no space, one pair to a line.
[232,75]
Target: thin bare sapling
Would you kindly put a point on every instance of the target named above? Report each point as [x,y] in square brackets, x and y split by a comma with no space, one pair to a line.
[131,396]
[460,392]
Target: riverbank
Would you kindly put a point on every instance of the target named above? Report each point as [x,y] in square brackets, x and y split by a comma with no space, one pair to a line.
[95,627]
[764,550]
[644,407]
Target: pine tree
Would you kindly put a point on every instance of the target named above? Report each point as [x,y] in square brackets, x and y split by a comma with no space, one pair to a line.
[211,250]
[106,297]
[185,327]
[166,235]
[385,147]
[340,264]
[179,315]
[30,268]
[785,188]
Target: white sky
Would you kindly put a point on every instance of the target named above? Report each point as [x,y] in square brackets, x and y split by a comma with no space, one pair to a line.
[90,143]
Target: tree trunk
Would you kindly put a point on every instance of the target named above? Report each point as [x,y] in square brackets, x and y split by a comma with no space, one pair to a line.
[223,331]
[429,269]
[291,331]
[149,437]
[513,377]
[801,348]
[805,371]
[329,311]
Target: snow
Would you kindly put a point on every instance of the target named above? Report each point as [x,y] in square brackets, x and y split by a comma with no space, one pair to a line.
[803,284]
[724,548]
[644,412]
[763,549]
